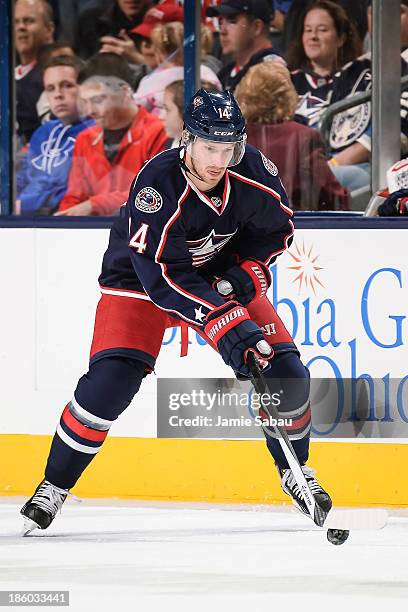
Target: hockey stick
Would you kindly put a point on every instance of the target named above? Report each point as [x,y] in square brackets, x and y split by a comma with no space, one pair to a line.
[369,518]
[317,514]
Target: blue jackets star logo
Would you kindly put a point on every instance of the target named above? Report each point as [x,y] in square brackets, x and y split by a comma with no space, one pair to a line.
[204,249]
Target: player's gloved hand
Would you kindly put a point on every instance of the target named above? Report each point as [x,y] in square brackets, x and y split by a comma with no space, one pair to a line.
[235,334]
[245,282]
[396,204]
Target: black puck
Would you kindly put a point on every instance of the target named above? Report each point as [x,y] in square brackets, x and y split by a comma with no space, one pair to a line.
[337,536]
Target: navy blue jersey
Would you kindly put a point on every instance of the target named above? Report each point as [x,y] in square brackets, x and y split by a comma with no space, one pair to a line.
[231,74]
[172,240]
[354,125]
[314,92]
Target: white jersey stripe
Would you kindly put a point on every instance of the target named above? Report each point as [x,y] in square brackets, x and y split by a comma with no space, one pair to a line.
[264,188]
[286,243]
[131,294]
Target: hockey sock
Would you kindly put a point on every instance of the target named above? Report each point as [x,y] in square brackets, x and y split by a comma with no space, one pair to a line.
[289,378]
[100,397]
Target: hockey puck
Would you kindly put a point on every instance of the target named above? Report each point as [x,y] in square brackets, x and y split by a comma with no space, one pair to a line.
[337,536]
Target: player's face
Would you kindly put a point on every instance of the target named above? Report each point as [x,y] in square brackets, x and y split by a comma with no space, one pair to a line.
[31,29]
[236,34]
[62,92]
[209,160]
[103,104]
[173,122]
[320,39]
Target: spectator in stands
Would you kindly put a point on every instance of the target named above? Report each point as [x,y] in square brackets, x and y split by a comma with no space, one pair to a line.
[45,53]
[244,35]
[268,100]
[96,22]
[325,41]
[173,110]
[42,181]
[350,134]
[167,40]
[280,9]
[54,49]
[68,13]
[143,58]
[354,9]
[129,44]
[34,27]
[165,12]
[108,156]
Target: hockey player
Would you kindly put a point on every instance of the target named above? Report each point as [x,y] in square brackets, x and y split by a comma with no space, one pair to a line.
[212,209]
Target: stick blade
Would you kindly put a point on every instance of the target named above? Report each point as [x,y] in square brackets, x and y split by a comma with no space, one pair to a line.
[356,519]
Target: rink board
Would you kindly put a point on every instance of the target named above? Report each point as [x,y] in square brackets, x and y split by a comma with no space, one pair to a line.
[341,292]
[356,474]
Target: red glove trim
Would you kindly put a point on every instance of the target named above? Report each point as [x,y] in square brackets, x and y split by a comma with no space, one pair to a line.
[217,327]
[262,359]
[259,274]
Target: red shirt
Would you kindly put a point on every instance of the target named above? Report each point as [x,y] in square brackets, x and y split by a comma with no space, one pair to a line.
[106,185]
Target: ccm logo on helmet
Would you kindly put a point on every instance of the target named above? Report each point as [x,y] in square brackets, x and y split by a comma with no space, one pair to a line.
[223,133]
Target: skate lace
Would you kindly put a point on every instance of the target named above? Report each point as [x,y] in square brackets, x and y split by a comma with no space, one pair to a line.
[50,498]
[290,482]
[311,480]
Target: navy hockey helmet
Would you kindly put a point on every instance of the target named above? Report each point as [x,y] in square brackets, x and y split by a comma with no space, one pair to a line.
[215,116]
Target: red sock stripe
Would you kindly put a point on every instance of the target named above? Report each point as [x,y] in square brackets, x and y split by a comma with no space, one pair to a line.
[82,430]
[301,421]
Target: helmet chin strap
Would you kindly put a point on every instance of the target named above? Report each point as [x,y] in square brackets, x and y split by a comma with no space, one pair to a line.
[187,169]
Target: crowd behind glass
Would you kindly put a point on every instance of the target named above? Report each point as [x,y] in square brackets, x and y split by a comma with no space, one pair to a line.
[99,90]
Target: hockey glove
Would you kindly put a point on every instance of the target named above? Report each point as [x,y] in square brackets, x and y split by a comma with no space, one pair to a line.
[245,282]
[395,204]
[231,329]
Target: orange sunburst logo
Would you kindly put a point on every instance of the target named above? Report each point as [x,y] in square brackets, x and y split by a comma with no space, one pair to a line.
[305,267]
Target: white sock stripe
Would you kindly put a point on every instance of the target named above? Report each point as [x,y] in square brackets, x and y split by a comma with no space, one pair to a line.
[87,422]
[290,414]
[89,416]
[90,450]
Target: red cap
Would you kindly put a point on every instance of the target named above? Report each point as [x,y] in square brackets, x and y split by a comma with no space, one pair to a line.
[163,13]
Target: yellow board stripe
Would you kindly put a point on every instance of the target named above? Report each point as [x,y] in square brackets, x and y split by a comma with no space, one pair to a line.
[212,470]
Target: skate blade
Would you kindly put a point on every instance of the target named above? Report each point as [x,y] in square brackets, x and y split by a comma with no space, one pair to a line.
[356,519]
[28,527]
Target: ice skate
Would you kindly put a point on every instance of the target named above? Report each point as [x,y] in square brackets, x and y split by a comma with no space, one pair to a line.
[290,487]
[40,510]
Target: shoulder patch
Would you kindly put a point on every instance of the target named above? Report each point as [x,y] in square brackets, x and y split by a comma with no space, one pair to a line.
[270,166]
[148,200]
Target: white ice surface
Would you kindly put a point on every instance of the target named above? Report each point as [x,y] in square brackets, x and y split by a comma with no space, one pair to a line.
[120,556]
